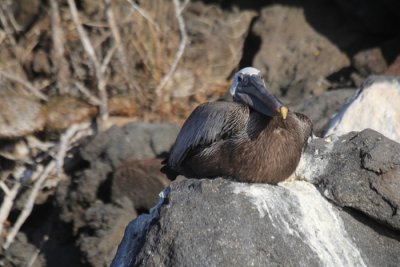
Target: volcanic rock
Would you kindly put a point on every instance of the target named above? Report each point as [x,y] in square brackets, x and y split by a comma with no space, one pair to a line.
[294,58]
[139,180]
[359,170]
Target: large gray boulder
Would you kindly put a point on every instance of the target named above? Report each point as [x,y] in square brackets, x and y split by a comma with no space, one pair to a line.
[224,223]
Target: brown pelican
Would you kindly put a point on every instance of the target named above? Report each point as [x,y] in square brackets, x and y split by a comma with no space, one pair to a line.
[253,139]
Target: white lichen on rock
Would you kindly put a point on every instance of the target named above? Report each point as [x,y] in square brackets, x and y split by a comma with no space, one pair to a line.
[313,219]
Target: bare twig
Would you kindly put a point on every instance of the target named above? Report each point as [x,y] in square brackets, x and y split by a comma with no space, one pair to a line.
[7,28]
[8,201]
[65,142]
[11,18]
[3,20]
[35,143]
[108,58]
[37,252]
[26,211]
[94,100]
[180,51]
[73,133]
[87,45]
[183,6]
[120,46]
[144,14]
[33,258]
[25,83]
[4,187]
[114,30]
[58,59]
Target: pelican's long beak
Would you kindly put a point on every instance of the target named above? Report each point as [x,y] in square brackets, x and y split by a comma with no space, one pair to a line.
[283,111]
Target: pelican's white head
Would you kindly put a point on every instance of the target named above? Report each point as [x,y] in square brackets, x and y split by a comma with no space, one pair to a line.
[248,71]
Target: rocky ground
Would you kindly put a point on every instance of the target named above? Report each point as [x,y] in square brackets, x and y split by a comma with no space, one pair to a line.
[313,55]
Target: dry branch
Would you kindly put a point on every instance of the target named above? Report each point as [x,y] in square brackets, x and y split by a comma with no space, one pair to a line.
[34,257]
[73,133]
[7,5]
[58,59]
[115,31]
[14,22]
[25,83]
[144,14]
[65,143]
[122,56]
[181,49]
[94,100]
[5,24]
[3,20]
[29,204]
[87,45]
[8,201]
[107,58]
[183,6]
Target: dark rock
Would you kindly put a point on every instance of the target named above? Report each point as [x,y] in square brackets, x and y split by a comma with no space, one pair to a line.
[224,223]
[133,141]
[139,180]
[96,205]
[359,171]
[369,62]
[375,60]
[105,223]
[105,153]
[91,180]
[20,253]
[321,108]
[294,57]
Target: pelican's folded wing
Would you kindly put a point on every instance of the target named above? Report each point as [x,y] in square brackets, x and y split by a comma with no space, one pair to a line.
[208,123]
